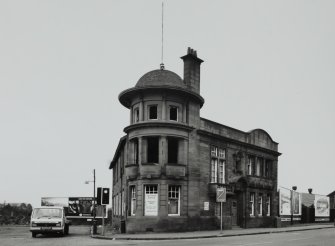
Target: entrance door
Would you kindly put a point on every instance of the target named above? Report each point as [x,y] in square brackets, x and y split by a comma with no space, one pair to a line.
[234,212]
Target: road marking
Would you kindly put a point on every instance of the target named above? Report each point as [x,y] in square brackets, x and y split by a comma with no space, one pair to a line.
[250,244]
[297,239]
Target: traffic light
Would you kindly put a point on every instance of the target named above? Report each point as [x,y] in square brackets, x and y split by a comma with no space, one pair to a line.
[105,196]
[99,195]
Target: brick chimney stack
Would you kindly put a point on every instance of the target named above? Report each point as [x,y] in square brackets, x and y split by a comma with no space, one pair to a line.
[192,70]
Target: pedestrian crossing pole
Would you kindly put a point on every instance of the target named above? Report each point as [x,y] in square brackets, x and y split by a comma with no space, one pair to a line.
[221,198]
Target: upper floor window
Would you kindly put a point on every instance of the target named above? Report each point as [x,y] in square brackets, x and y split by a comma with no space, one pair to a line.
[173,113]
[267,171]
[218,157]
[153,112]
[173,145]
[152,151]
[251,165]
[136,116]
[136,151]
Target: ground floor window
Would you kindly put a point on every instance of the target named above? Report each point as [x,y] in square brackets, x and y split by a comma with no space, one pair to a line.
[252,203]
[151,200]
[268,204]
[132,200]
[260,204]
[174,200]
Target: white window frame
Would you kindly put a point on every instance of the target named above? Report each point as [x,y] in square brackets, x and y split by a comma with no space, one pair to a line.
[217,172]
[268,203]
[252,202]
[149,107]
[170,107]
[136,115]
[260,204]
[214,168]
[250,171]
[151,189]
[132,200]
[221,171]
[174,191]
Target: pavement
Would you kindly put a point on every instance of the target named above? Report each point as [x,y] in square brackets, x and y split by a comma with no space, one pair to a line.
[211,234]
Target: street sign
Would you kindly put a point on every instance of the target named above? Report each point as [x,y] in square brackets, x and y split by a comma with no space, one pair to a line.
[220,194]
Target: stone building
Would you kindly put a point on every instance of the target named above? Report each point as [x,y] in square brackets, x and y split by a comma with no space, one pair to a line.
[168,166]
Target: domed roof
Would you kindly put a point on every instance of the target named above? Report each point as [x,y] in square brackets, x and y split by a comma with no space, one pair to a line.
[160,78]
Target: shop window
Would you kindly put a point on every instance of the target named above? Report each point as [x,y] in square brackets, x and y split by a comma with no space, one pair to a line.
[132,200]
[217,165]
[252,203]
[268,204]
[174,200]
[136,116]
[153,112]
[260,204]
[174,113]
[151,200]
[173,150]
[152,151]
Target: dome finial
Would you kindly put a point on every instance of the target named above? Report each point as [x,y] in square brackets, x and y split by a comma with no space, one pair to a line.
[162,66]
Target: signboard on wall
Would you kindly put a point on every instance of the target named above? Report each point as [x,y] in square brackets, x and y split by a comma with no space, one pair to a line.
[151,205]
[206,206]
[76,207]
[285,201]
[321,204]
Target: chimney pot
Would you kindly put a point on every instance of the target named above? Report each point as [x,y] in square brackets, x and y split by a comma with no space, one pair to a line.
[310,190]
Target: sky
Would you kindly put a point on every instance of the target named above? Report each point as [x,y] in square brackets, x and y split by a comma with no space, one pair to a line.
[268,64]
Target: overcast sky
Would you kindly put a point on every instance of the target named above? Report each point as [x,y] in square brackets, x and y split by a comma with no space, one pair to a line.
[268,64]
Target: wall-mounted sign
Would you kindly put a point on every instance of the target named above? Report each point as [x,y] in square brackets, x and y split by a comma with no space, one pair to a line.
[151,205]
[206,206]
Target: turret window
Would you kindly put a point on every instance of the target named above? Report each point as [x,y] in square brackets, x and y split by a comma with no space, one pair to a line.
[174,113]
[153,112]
[136,116]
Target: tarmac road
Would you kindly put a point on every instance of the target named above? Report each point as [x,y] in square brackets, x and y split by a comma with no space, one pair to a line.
[79,235]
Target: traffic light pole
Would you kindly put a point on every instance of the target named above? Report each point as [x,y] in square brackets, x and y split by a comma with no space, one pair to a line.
[94,210]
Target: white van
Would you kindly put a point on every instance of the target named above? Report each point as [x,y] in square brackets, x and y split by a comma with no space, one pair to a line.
[46,220]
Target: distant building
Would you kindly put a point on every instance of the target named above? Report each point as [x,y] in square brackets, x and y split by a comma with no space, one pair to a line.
[168,166]
[332,206]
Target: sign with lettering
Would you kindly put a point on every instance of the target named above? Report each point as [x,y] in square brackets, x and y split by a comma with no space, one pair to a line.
[151,205]
[221,194]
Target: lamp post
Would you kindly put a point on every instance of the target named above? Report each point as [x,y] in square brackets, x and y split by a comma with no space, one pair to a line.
[94,231]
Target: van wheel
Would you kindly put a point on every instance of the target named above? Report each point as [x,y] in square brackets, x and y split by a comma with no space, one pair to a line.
[33,234]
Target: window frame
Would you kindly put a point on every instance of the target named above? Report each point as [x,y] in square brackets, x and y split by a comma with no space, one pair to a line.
[174,191]
[268,204]
[260,204]
[133,200]
[252,204]
[154,191]
[218,157]
[149,111]
[136,114]
[177,112]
